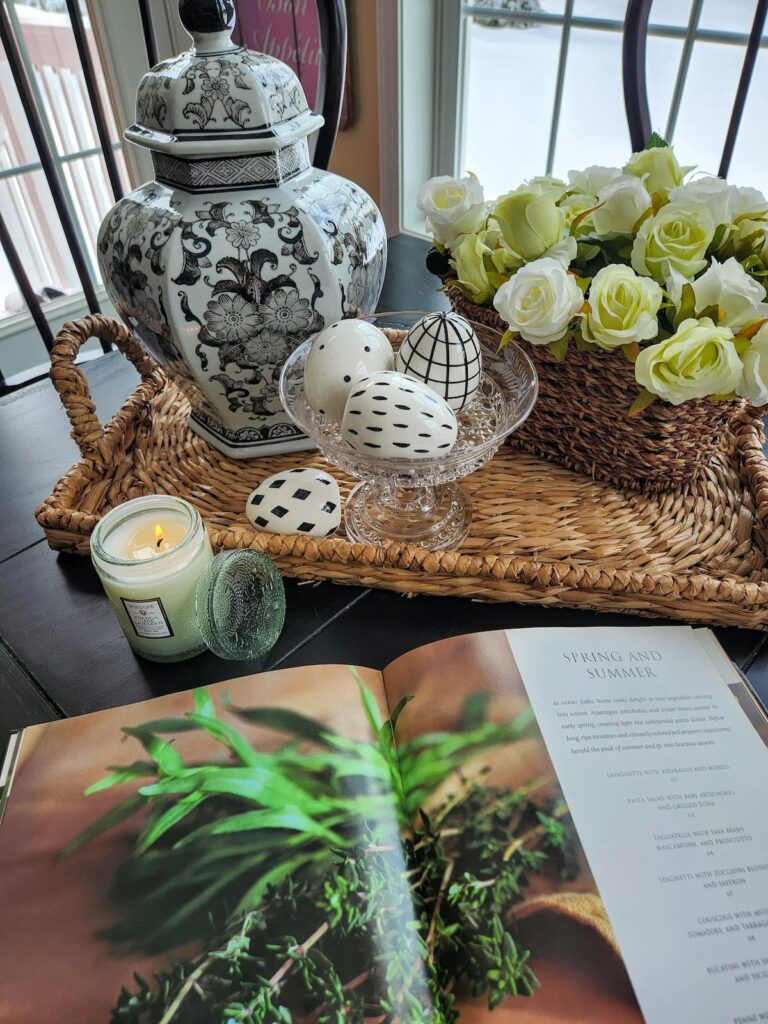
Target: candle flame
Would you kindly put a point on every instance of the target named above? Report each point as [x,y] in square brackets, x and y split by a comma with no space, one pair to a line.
[158,535]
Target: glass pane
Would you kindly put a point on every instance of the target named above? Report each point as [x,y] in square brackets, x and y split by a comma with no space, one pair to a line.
[668,12]
[706,106]
[48,41]
[29,212]
[518,6]
[507,120]
[748,165]
[593,125]
[726,15]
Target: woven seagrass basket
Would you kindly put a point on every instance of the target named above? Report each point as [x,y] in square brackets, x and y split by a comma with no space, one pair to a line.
[581,421]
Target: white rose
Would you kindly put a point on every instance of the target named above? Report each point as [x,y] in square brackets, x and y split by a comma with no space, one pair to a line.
[738,297]
[754,382]
[593,178]
[540,301]
[452,206]
[725,202]
[677,238]
[624,201]
[658,168]
[576,205]
[622,308]
[545,183]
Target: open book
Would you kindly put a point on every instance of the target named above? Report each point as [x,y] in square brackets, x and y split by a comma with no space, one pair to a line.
[534,826]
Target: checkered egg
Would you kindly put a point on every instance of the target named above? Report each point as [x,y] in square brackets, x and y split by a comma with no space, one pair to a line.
[389,415]
[296,501]
[442,350]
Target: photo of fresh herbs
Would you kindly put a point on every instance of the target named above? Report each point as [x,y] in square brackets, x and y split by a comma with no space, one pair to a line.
[321,845]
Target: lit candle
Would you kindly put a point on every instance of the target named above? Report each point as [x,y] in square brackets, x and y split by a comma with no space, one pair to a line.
[149,554]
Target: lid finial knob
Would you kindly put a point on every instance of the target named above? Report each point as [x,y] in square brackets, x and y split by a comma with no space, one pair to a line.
[201,17]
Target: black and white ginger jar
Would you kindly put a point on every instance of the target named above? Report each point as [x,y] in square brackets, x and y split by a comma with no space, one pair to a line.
[239,249]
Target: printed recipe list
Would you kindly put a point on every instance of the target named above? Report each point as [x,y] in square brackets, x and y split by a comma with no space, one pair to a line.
[666,780]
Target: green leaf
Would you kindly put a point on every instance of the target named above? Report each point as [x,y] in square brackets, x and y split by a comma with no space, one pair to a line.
[506,337]
[109,820]
[288,818]
[369,702]
[291,722]
[712,312]
[559,348]
[204,704]
[631,351]
[643,400]
[167,759]
[687,307]
[656,141]
[260,785]
[176,813]
[399,708]
[137,770]
[230,737]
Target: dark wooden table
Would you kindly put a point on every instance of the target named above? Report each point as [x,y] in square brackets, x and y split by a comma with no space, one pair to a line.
[61,650]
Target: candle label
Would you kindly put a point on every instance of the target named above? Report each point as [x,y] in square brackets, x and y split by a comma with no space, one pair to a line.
[148,618]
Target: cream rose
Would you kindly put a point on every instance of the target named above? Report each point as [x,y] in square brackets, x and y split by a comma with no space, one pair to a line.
[658,168]
[468,258]
[622,203]
[546,184]
[698,361]
[738,297]
[675,239]
[573,207]
[540,301]
[593,178]
[754,382]
[622,308]
[530,223]
[452,206]
[726,203]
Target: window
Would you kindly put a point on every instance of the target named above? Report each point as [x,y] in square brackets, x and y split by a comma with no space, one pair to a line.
[538,89]
[45,44]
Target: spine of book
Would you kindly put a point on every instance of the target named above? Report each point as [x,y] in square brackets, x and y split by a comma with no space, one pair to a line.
[8,768]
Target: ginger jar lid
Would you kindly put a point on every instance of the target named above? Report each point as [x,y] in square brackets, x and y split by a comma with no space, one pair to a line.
[219,99]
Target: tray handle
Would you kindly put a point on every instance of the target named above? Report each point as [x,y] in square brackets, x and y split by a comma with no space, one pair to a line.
[95,441]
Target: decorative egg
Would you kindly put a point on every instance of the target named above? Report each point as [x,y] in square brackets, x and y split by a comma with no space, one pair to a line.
[296,501]
[340,355]
[393,416]
[442,350]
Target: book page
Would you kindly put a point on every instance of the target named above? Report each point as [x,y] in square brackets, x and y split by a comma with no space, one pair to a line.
[665,777]
[499,816]
[265,822]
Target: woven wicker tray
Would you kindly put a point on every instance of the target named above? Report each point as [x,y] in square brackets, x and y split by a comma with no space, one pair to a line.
[541,534]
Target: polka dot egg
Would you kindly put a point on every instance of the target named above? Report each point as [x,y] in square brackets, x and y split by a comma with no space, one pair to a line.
[443,351]
[340,355]
[389,415]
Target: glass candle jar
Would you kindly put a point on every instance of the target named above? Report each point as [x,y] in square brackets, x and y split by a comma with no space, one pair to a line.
[150,553]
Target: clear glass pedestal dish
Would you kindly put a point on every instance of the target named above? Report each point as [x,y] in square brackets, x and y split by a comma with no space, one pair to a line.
[420,501]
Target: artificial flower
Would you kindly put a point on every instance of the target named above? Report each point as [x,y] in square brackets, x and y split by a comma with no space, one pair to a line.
[622,202]
[727,286]
[677,238]
[452,206]
[468,259]
[623,308]
[658,169]
[530,223]
[593,178]
[540,301]
[754,381]
[698,361]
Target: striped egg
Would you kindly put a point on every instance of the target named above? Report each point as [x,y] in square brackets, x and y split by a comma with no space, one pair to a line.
[389,415]
[442,350]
